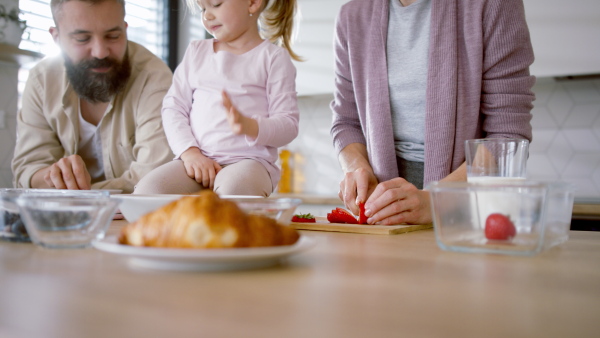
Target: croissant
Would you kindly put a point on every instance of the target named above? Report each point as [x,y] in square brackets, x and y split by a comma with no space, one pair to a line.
[205,221]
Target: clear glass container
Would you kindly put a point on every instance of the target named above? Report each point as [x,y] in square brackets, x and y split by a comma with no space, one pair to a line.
[540,212]
[280,209]
[12,227]
[67,221]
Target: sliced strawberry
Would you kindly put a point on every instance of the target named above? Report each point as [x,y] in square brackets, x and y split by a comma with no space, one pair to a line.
[499,227]
[344,216]
[362,218]
[332,218]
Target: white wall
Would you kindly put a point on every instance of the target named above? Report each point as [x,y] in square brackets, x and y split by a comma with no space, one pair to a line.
[315,43]
[8,104]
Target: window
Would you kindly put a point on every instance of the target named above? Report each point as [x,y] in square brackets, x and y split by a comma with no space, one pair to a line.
[146,19]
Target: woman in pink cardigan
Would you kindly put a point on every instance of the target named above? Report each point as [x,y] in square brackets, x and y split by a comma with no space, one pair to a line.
[414,80]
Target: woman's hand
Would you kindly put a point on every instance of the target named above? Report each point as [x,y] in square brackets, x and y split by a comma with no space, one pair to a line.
[239,123]
[396,202]
[359,180]
[199,167]
[356,187]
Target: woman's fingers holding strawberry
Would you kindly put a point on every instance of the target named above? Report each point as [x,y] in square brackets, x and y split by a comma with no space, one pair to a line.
[397,201]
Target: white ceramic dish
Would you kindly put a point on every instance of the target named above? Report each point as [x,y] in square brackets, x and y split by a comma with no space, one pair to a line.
[135,206]
[203,259]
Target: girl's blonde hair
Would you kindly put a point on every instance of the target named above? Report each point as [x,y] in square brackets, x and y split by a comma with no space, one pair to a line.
[276,22]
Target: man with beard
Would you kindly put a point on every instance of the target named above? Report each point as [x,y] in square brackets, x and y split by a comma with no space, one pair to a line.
[90,118]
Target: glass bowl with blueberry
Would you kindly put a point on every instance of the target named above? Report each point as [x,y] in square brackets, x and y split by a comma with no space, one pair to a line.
[66,220]
[12,226]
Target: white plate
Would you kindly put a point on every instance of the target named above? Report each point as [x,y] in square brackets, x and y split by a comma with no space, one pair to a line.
[203,259]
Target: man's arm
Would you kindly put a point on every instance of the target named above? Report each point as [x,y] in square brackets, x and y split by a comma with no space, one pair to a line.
[38,146]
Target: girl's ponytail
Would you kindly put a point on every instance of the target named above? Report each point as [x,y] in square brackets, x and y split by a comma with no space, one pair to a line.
[277,23]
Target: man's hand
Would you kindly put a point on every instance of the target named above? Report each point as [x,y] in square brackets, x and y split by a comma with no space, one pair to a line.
[199,167]
[68,173]
[239,123]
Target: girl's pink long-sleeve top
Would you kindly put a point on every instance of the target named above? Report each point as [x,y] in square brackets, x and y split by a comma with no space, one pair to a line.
[261,85]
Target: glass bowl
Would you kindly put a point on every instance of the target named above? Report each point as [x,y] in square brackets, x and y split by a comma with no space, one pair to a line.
[280,209]
[540,212]
[12,227]
[68,220]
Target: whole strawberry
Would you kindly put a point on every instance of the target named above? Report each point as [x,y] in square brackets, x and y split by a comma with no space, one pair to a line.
[304,218]
[499,227]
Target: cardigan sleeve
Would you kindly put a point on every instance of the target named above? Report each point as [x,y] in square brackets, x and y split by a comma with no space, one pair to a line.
[346,126]
[506,98]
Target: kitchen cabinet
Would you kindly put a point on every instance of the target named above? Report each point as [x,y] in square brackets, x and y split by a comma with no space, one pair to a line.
[565,36]
[314,43]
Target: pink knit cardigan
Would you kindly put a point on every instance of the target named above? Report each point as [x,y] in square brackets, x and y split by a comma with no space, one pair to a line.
[478,81]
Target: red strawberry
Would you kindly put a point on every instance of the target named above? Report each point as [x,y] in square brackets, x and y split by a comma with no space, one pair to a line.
[340,215]
[362,218]
[332,218]
[499,227]
[304,218]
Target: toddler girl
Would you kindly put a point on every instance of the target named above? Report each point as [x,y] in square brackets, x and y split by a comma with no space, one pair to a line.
[232,102]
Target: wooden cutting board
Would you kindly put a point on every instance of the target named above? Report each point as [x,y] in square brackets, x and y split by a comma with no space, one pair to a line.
[323,224]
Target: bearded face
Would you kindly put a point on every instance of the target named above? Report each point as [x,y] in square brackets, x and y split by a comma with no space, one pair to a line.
[98,86]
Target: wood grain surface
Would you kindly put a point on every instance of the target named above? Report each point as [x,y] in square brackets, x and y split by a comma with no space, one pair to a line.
[348,286]
[323,225]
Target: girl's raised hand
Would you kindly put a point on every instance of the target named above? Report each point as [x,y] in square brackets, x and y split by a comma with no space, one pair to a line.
[200,168]
[239,123]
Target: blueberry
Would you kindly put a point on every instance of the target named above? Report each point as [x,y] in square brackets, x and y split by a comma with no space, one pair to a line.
[14,225]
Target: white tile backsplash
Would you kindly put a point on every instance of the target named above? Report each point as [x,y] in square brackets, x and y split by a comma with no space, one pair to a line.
[559,105]
[566,134]
[582,116]
[540,166]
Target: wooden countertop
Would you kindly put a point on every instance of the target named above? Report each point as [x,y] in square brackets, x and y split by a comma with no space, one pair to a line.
[589,210]
[348,285]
